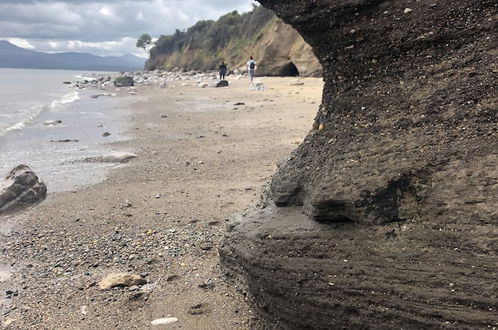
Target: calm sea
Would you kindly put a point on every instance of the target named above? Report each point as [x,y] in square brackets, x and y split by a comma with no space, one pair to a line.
[30,98]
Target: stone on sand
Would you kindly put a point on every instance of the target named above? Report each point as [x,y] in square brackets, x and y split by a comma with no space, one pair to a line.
[21,188]
[163,321]
[52,122]
[120,280]
[124,82]
[222,83]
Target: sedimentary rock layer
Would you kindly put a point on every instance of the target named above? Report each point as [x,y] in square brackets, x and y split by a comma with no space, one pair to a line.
[385,216]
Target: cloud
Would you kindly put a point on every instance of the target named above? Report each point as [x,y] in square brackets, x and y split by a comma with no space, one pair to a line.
[103,23]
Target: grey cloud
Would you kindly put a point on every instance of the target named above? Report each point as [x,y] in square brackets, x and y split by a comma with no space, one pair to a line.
[100,21]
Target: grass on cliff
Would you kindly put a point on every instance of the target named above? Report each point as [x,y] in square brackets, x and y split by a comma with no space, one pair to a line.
[204,45]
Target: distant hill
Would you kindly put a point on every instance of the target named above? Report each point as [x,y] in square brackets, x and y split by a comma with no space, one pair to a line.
[12,56]
[277,48]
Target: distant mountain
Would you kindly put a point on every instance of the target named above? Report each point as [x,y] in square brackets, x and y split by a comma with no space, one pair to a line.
[12,56]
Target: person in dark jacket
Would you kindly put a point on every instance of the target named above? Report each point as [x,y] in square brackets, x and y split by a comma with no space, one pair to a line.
[223,70]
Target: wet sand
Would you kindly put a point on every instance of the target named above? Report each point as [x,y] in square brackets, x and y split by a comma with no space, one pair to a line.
[201,160]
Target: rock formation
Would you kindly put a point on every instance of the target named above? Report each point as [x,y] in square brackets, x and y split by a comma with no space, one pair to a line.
[22,188]
[277,47]
[385,216]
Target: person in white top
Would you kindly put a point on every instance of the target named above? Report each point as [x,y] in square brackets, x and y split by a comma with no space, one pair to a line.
[251,67]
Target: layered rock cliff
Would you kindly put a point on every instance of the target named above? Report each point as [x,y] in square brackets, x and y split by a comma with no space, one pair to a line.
[278,49]
[385,216]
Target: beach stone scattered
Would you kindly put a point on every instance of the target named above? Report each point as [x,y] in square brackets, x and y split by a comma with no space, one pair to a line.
[21,188]
[199,309]
[124,81]
[106,134]
[52,122]
[67,83]
[222,83]
[163,321]
[120,280]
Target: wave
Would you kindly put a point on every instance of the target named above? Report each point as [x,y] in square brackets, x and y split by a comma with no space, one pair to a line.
[38,109]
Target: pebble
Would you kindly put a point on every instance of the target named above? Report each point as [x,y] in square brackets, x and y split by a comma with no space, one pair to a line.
[166,320]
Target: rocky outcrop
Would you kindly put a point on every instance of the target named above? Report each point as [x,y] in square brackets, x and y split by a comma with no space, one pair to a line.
[21,188]
[281,51]
[385,216]
[277,47]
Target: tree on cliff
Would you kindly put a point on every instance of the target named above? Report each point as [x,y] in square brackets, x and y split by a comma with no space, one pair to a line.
[144,41]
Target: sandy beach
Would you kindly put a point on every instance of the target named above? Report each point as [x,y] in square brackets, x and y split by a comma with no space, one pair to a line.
[204,155]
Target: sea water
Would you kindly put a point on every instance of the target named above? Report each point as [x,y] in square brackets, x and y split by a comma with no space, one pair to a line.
[31,98]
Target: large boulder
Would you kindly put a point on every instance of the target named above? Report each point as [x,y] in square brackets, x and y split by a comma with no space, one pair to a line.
[124,81]
[385,216]
[21,188]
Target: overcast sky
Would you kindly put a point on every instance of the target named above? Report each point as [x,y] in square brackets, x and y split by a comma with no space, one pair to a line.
[102,27]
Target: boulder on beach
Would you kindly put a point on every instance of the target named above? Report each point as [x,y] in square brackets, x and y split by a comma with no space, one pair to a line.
[21,188]
[120,280]
[115,157]
[222,83]
[124,81]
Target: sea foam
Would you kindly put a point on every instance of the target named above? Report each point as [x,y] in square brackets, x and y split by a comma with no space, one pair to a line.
[37,109]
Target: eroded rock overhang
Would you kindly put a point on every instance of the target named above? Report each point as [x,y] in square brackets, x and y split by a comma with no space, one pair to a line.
[385,216]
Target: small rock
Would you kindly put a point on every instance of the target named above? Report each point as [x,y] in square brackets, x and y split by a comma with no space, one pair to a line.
[166,320]
[407,10]
[198,309]
[172,278]
[207,286]
[206,246]
[222,83]
[52,122]
[120,280]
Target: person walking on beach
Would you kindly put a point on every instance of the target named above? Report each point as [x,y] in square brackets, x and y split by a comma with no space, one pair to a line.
[223,70]
[251,67]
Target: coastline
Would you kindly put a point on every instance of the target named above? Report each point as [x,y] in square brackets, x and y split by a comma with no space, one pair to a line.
[201,159]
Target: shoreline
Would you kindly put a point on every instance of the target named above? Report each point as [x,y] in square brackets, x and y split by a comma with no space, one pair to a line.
[201,159]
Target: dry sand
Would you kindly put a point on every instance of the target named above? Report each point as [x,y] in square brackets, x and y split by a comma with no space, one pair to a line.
[201,160]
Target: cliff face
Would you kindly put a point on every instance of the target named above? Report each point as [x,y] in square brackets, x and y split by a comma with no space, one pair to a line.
[385,216]
[278,49]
